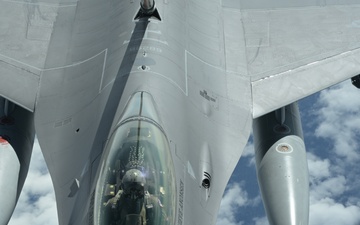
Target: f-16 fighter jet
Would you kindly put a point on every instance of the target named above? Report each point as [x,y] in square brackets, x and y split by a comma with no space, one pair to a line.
[142,109]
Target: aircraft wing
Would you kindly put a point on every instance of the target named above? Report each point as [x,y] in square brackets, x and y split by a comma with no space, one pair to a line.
[23,48]
[35,51]
[287,49]
[296,48]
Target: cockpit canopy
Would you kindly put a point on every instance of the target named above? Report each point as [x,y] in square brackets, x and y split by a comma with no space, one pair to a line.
[136,185]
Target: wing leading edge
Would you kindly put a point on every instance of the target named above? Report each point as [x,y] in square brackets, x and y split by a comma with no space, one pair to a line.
[284,63]
[272,92]
[26,30]
[296,51]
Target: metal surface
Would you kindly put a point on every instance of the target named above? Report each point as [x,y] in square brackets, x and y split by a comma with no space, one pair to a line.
[9,176]
[16,142]
[281,167]
[210,66]
[147,6]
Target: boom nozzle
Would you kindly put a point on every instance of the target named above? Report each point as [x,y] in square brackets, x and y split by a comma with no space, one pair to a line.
[147,10]
[147,6]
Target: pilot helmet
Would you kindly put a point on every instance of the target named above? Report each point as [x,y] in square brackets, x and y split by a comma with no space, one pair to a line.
[133,184]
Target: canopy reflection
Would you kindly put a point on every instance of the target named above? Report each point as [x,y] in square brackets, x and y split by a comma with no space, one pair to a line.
[136,182]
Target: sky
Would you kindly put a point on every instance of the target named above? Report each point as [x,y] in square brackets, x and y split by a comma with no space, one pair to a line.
[331,125]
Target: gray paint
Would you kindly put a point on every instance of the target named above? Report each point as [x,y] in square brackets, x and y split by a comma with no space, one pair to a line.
[9,176]
[210,66]
[281,166]
[263,4]
[17,128]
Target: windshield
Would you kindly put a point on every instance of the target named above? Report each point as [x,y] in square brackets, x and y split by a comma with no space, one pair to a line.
[136,182]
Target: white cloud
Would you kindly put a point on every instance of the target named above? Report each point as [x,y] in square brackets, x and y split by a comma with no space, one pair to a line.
[261,221]
[318,168]
[329,212]
[334,170]
[334,197]
[340,119]
[331,187]
[249,151]
[234,198]
[324,181]
[227,221]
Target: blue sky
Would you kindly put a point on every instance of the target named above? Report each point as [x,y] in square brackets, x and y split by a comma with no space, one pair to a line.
[331,124]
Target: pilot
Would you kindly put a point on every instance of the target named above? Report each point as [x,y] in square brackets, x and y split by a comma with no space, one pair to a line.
[133,204]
